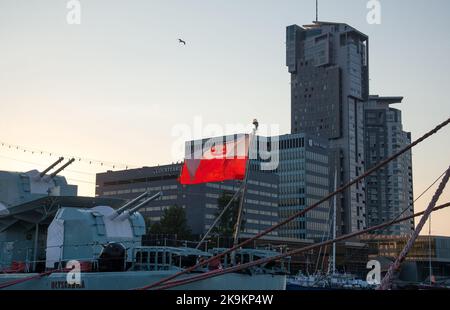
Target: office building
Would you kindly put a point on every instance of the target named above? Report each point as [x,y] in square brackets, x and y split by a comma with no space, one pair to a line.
[303,173]
[199,201]
[428,251]
[301,165]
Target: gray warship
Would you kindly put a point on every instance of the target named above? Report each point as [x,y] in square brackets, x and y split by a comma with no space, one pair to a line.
[52,239]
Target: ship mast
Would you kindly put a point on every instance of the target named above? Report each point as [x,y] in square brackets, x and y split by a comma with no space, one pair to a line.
[216,221]
[237,227]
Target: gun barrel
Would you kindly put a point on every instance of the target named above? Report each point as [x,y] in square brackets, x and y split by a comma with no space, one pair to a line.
[62,168]
[136,208]
[43,173]
[131,202]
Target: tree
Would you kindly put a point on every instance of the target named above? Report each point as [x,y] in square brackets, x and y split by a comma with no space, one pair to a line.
[148,225]
[227,222]
[173,222]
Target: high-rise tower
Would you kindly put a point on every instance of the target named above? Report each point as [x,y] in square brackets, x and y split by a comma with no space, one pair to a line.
[390,190]
[329,70]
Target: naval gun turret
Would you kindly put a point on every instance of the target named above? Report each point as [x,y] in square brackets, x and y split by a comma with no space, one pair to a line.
[29,202]
[101,235]
[21,187]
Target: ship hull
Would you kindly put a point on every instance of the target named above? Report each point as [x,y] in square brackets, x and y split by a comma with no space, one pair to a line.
[136,279]
[296,287]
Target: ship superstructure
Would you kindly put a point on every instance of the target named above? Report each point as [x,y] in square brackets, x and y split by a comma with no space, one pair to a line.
[47,233]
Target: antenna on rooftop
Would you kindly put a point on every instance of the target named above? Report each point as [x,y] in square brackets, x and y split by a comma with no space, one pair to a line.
[317,10]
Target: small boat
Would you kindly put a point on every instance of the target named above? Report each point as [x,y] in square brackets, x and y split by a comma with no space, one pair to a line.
[336,281]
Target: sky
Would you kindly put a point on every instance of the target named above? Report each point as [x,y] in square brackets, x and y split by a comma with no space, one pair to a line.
[118,85]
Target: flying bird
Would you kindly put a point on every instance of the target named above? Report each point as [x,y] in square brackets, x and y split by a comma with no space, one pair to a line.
[181,41]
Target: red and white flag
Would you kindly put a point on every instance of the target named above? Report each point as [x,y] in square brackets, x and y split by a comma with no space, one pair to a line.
[217,162]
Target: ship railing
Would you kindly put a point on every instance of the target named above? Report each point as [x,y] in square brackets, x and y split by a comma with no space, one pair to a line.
[151,260]
[246,255]
[155,258]
[27,255]
[5,267]
[142,257]
[164,241]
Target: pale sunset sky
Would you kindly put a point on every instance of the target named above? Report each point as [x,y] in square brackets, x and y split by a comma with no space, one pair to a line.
[114,87]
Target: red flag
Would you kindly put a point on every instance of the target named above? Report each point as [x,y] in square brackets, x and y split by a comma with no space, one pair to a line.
[217,162]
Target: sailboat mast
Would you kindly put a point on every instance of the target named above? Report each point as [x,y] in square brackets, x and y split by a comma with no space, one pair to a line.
[430,266]
[334,224]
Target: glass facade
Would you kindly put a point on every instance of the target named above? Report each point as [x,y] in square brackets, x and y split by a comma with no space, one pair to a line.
[303,173]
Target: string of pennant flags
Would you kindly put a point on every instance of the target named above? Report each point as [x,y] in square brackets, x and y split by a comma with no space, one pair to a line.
[33,163]
[89,161]
[44,165]
[38,152]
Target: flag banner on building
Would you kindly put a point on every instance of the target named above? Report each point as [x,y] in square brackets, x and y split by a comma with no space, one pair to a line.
[217,161]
